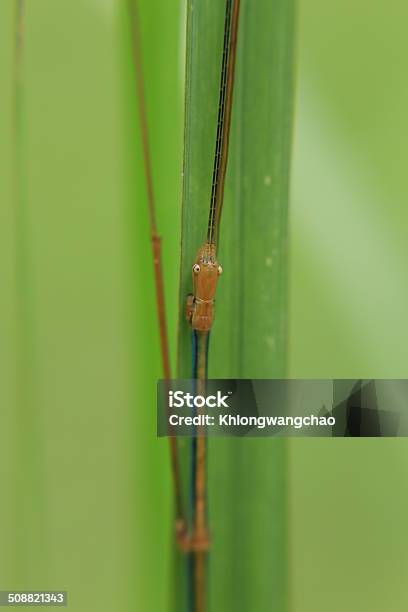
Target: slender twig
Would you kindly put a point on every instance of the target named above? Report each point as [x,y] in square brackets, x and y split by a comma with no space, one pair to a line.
[181,526]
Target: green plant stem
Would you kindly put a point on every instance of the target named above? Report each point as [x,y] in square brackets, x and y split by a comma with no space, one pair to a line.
[247,479]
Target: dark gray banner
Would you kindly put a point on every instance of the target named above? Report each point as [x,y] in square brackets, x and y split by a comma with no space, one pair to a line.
[284,408]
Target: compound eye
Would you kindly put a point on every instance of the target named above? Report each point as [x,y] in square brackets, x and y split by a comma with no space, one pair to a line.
[196,268]
[220,270]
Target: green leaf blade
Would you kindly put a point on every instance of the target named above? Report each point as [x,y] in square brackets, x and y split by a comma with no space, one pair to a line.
[247,482]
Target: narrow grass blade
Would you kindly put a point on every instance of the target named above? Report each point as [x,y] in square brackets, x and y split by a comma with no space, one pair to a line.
[247,478]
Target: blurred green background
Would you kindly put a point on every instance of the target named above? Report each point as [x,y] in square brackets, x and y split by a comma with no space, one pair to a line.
[86,494]
[349,297]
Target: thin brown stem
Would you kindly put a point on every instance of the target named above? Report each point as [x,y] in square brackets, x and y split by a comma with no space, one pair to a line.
[181,529]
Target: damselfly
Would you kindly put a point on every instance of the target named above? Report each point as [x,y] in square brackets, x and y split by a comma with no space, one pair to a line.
[200,308]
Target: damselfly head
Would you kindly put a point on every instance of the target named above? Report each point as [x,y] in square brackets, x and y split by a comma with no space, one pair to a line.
[206,271]
[200,304]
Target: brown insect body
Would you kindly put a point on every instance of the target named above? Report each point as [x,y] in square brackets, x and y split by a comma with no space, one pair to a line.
[200,304]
